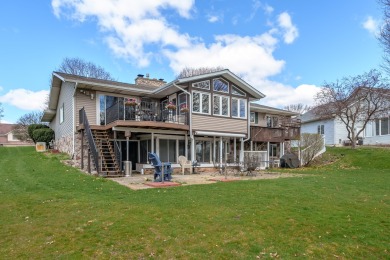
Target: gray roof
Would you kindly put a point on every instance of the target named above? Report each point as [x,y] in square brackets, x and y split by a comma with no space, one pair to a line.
[272,110]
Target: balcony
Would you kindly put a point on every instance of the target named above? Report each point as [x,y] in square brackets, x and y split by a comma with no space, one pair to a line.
[145,114]
[288,129]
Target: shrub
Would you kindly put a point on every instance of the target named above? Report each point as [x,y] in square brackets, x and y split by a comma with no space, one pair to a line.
[43,135]
[31,128]
[310,146]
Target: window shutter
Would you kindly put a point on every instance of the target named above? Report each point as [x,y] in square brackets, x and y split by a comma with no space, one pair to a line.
[256,118]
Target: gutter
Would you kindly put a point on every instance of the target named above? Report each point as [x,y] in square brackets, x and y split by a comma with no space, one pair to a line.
[248,115]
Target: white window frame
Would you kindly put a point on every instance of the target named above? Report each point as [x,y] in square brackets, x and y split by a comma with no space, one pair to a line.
[62,115]
[254,117]
[220,97]
[321,129]
[179,104]
[239,100]
[382,123]
[223,80]
[201,101]
[239,91]
[206,82]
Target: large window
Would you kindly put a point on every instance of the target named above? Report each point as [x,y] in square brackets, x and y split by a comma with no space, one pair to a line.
[168,150]
[237,91]
[382,126]
[385,126]
[202,84]
[272,121]
[183,102]
[238,108]
[220,85]
[221,105]
[203,151]
[201,102]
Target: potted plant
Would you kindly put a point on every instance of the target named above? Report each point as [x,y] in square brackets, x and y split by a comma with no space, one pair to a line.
[131,102]
[183,108]
[170,106]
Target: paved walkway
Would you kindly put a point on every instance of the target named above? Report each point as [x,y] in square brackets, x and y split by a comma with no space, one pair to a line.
[138,181]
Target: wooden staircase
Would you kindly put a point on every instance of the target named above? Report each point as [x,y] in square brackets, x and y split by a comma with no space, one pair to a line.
[108,162]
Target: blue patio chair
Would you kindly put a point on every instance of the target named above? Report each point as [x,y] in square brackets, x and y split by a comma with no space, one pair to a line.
[155,161]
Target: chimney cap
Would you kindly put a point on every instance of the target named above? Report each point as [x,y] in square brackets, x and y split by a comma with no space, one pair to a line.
[140,75]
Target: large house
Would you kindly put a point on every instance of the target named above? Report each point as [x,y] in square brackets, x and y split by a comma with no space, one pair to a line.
[207,118]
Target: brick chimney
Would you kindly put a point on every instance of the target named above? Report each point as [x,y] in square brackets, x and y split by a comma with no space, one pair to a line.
[141,80]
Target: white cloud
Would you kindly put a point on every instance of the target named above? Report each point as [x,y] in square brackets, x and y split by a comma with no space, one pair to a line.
[129,26]
[213,18]
[290,31]
[249,57]
[268,9]
[371,25]
[280,95]
[25,99]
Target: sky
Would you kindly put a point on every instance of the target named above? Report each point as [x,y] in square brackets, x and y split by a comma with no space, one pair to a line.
[285,49]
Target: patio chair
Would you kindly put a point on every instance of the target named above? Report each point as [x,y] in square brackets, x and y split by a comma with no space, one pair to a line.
[158,167]
[184,163]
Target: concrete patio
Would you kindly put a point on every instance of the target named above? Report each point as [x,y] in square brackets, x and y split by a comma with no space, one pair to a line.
[138,181]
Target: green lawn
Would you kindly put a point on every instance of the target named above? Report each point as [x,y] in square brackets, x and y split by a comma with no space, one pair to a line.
[341,210]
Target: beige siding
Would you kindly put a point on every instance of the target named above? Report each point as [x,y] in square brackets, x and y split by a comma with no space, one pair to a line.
[219,124]
[89,105]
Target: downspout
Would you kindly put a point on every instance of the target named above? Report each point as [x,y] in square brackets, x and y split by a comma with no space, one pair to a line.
[249,132]
[190,120]
[74,119]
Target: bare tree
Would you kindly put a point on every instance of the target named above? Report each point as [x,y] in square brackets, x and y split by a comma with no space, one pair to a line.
[77,66]
[384,37]
[190,72]
[298,108]
[1,112]
[21,128]
[354,101]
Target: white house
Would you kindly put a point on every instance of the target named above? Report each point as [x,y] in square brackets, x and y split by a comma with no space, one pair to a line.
[332,128]
[377,131]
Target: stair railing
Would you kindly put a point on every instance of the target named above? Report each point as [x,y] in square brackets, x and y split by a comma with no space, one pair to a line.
[91,142]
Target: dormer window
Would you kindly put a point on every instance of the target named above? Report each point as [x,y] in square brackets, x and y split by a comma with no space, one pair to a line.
[220,85]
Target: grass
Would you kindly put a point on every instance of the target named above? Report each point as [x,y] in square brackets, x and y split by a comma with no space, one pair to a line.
[340,210]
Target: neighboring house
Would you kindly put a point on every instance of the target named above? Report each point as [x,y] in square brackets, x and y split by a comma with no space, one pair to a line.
[205,118]
[332,128]
[7,137]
